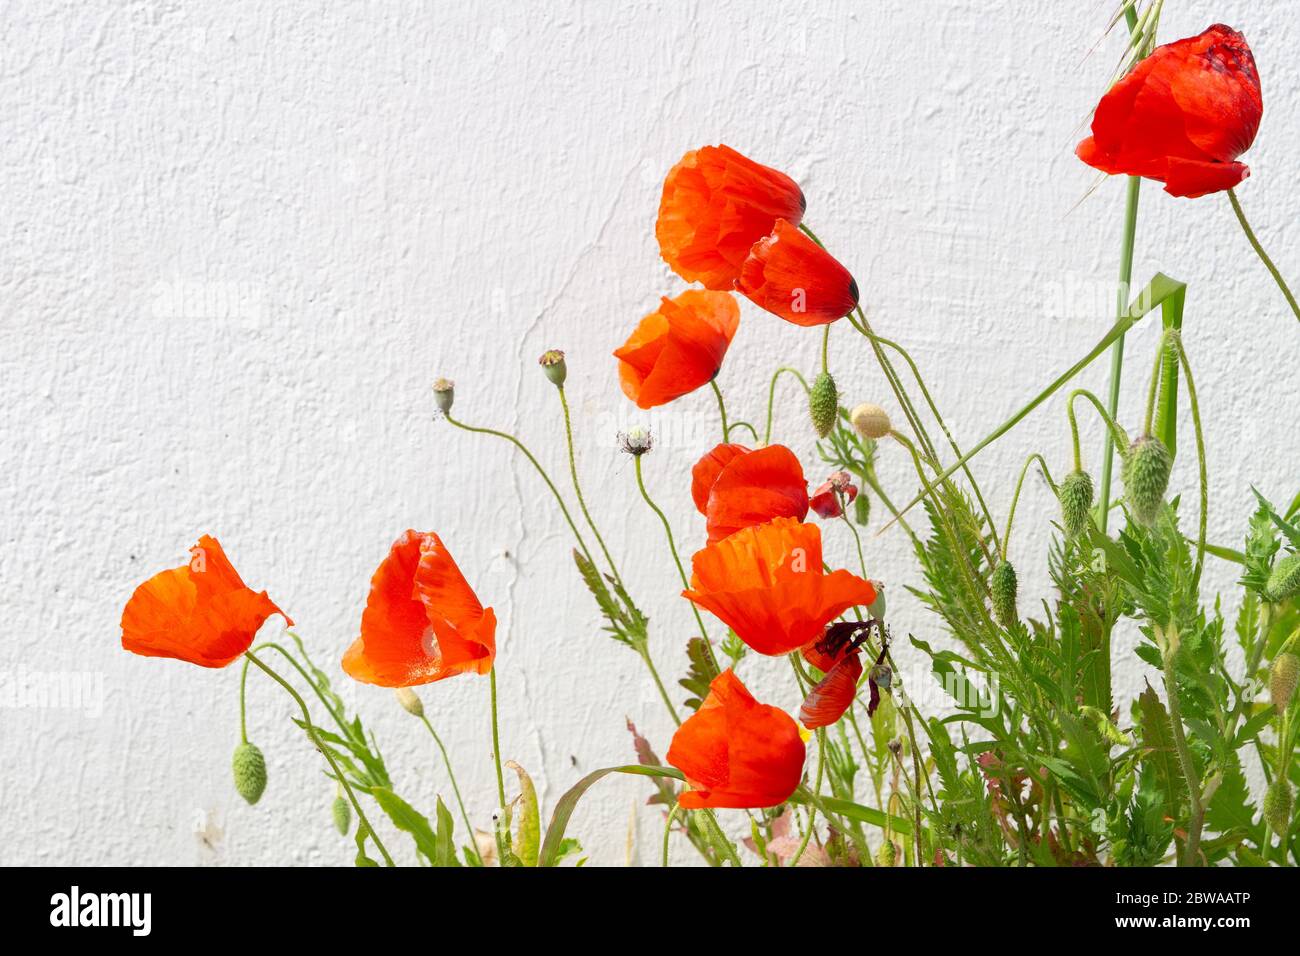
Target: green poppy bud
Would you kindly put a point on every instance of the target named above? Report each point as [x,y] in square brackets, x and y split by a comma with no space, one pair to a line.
[823,404]
[1277,806]
[862,508]
[1146,476]
[552,363]
[1282,679]
[1002,586]
[1076,502]
[887,855]
[249,767]
[410,701]
[1285,579]
[342,811]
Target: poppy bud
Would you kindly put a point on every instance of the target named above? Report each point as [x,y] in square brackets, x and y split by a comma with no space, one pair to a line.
[444,393]
[887,855]
[882,675]
[1277,806]
[862,509]
[877,607]
[870,421]
[1146,476]
[1002,586]
[249,767]
[342,811]
[410,701]
[823,404]
[1076,501]
[1282,679]
[552,363]
[1285,579]
[636,441]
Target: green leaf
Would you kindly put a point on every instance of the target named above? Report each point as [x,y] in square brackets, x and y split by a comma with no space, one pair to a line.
[363,833]
[1159,751]
[701,673]
[856,811]
[445,839]
[409,820]
[554,842]
[528,834]
[1230,807]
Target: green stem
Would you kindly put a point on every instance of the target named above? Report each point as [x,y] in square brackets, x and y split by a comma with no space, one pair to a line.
[1191,853]
[826,348]
[663,691]
[243,714]
[496,740]
[451,775]
[1117,349]
[668,830]
[577,486]
[329,757]
[722,407]
[1177,341]
[1263,256]
[1015,499]
[1154,387]
[771,395]
[817,788]
[1114,433]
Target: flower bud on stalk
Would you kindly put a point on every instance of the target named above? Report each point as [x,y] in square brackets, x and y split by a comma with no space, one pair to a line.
[887,855]
[1002,586]
[823,404]
[1282,679]
[410,701]
[1076,501]
[1277,806]
[862,509]
[870,421]
[552,363]
[444,393]
[249,768]
[877,608]
[1285,579]
[342,811]
[1146,476]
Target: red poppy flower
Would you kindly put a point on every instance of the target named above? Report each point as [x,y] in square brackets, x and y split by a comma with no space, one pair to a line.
[791,276]
[767,584]
[678,348]
[422,621]
[826,499]
[735,752]
[201,612]
[707,469]
[752,487]
[1181,116]
[833,694]
[716,204]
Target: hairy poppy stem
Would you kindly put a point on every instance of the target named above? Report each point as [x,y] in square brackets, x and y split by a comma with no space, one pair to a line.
[1204,481]
[1015,498]
[329,757]
[1263,256]
[577,487]
[1117,434]
[771,395]
[496,741]
[451,775]
[722,407]
[1131,197]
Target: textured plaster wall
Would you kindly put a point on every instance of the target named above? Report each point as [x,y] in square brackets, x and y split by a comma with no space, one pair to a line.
[238,241]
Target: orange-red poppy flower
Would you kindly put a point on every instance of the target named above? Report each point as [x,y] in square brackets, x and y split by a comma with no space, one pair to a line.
[1181,116]
[826,500]
[791,276]
[767,584]
[422,621]
[707,469]
[753,487]
[201,612]
[716,204]
[833,694]
[735,752]
[677,348]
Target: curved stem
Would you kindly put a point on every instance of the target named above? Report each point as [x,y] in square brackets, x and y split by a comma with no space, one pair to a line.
[1114,433]
[1263,256]
[577,486]
[243,714]
[826,347]
[451,775]
[329,707]
[329,757]
[1200,456]
[743,424]
[668,830]
[1154,387]
[771,394]
[496,742]
[722,407]
[540,470]
[812,806]
[1015,498]
[659,684]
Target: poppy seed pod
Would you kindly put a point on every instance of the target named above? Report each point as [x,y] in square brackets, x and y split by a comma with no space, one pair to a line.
[823,404]
[862,509]
[410,701]
[444,393]
[870,421]
[887,855]
[249,768]
[1277,806]
[1146,476]
[1282,679]
[1002,587]
[1285,579]
[1076,501]
[342,811]
[552,363]
[636,441]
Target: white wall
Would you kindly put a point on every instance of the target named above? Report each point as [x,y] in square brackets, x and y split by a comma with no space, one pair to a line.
[375,194]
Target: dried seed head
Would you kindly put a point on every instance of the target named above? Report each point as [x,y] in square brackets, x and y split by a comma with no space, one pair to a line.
[1002,587]
[410,701]
[1146,476]
[552,363]
[636,441]
[1282,679]
[444,393]
[1285,579]
[870,421]
[1076,502]
[249,768]
[823,404]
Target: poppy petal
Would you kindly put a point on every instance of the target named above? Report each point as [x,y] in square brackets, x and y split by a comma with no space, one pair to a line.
[755,488]
[791,276]
[833,694]
[677,348]
[707,469]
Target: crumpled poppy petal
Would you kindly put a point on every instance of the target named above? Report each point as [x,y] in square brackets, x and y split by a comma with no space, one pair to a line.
[754,488]
[833,694]
[706,471]
[678,348]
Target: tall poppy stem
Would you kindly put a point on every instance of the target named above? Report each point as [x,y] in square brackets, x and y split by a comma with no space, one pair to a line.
[577,486]
[771,396]
[329,757]
[496,741]
[451,775]
[722,407]
[1263,256]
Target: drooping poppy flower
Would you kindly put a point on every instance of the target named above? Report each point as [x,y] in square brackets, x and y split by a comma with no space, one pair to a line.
[753,487]
[826,500]
[678,347]
[716,204]
[767,584]
[735,752]
[833,694]
[791,276]
[838,639]
[1182,116]
[201,612]
[422,621]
